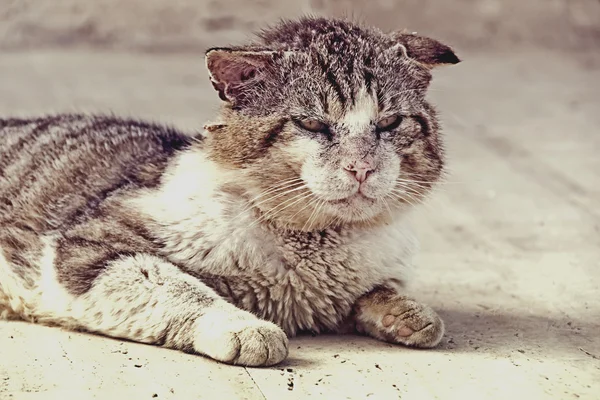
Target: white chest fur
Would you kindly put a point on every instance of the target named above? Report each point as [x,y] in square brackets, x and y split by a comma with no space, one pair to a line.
[302,281]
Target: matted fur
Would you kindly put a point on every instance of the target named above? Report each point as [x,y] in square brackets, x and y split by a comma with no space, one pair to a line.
[223,243]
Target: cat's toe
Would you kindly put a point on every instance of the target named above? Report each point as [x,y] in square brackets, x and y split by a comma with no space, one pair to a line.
[263,344]
[402,320]
[248,342]
[413,324]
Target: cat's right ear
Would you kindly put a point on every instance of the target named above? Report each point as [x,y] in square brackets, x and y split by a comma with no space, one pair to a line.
[233,70]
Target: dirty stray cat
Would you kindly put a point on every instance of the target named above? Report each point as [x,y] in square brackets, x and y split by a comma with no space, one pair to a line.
[286,214]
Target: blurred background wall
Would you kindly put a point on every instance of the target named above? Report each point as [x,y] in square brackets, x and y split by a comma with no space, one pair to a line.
[192,25]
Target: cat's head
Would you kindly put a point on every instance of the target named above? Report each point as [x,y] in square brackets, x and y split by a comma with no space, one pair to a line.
[325,122]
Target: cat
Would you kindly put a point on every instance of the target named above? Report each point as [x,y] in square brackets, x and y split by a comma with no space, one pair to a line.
[286,214]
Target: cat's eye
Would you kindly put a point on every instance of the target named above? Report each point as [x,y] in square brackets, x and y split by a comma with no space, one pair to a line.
[313,125]
[389,123]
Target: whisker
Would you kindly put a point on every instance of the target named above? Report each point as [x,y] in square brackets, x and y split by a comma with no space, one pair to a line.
[405,200]
[421,203]
[424,199]
[419,185]
[278,186]
[281,185]
[278,195]
[308,224]
[401,196]
[311,215]
[408,189]
[387,205]
[310,202]
[365,219]
[195,139]
[276,210]
[336,220]
[321,208]
[441,181]
[410,192]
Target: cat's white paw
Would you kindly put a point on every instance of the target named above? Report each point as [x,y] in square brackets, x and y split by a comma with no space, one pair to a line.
[250,342]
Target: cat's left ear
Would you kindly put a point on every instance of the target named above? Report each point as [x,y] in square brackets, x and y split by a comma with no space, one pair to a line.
[232,70]
[426,51]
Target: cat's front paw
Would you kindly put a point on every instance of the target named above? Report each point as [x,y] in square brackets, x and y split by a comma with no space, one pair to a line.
[401,320]
[249,342]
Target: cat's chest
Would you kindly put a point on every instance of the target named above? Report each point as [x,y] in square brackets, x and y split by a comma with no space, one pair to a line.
[302,281]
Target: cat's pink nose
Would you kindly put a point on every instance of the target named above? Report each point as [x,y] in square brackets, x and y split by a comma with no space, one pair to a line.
[360,169]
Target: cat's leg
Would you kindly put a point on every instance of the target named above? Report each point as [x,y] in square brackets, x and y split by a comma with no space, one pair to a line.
[146,299]
[386,315]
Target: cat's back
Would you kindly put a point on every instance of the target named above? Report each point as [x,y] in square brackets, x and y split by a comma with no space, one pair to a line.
[53,168]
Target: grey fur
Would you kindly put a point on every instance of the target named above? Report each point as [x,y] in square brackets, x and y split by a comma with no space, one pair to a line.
[223,243]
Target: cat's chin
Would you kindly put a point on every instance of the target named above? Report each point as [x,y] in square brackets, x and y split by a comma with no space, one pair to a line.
[358,199]
[351,200]
[355,207]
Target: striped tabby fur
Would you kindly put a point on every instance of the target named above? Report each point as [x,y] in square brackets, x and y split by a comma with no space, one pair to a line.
[288,214]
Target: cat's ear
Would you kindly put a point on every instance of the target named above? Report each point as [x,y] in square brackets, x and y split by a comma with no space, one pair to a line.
[231,70]
[426,51]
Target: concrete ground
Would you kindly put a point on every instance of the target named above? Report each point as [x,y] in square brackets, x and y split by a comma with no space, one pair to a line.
[510,258]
